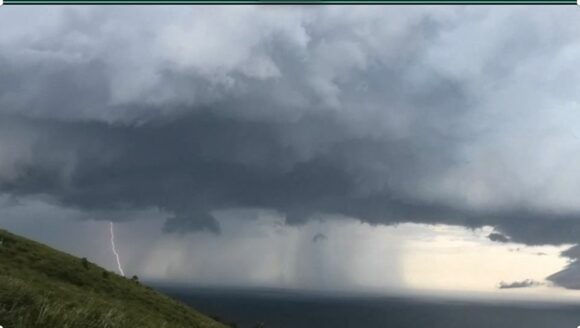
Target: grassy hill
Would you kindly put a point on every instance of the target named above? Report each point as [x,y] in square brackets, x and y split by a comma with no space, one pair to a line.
[42,287]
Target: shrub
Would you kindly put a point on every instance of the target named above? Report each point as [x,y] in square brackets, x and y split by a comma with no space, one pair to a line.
[85,263]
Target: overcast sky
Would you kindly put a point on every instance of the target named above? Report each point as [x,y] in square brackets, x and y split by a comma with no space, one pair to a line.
[319,147]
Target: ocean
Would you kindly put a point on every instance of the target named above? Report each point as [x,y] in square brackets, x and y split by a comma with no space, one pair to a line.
[246,308]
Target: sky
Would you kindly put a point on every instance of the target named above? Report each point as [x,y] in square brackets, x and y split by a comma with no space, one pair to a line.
[334,148]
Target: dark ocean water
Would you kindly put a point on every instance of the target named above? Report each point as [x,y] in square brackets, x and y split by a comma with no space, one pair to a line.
[278,309]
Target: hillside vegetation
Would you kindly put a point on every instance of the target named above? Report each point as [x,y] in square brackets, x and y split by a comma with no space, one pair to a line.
[42,287]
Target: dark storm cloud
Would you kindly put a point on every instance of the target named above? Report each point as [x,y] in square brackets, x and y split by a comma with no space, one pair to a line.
[192,222]
[319,237]
[498,237]
[202,163]
[383,116]
[519,284]
[567,278]
[570,276]
[206,162]
[572,253]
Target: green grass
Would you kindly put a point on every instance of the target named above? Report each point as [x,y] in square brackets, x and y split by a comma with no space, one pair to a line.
[42,287]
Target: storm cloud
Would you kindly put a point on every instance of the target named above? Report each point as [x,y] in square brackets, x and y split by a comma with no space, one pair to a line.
[319,237]
[385,115]
[498,237]
[519,284]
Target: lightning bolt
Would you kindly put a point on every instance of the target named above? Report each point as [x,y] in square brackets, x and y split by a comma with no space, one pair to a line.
[114,248]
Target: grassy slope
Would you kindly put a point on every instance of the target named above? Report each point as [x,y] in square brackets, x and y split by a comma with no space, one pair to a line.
[42,287]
